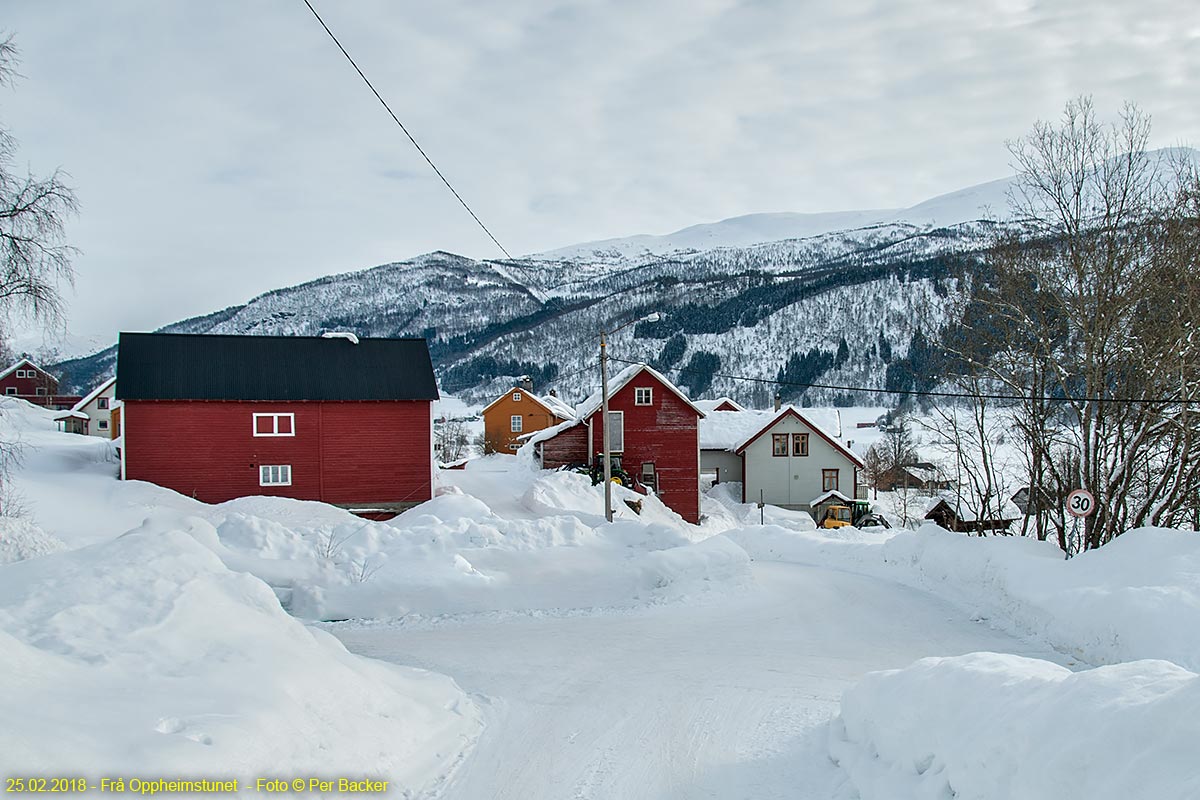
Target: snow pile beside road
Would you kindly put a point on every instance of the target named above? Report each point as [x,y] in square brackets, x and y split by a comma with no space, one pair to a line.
[21,539]
[148,653]
[986,726]
[1135,598]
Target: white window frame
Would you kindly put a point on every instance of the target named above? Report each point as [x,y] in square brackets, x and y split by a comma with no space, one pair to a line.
[516,397]
[102,424]
[637,395]
[265,476]
[616,433]
[516,424]
[275,424]
[10,390]
[20,373]
[40,391]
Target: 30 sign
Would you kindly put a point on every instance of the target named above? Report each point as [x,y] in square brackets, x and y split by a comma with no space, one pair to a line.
[1081,503]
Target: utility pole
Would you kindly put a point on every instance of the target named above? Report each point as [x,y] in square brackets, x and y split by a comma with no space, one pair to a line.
[653,316]
[608,509]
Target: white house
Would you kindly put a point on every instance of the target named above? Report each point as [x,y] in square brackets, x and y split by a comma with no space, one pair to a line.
[791,462]
[97,406]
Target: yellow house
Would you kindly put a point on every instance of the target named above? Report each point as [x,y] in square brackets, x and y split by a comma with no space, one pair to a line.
[517,412]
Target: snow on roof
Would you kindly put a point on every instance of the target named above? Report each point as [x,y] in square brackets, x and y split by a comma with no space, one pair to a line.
[830,495]
[708,406]
[20,363]
[66,415]
[961,510]
[559,407]
[551,403]
[836,443]
[620,380]
[99,390]
[347,335]
[725,430]
[547,433]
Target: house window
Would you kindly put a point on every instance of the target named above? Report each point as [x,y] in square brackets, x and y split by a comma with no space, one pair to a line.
[20,373]
[643,396]
[516,399]
[649,475]
[10,390]
[829,480]
[274,424]
[779,444]
[102,424]
[799,444]
[102,404]
[616,434]
[40,391]
[516,424]
[275,475]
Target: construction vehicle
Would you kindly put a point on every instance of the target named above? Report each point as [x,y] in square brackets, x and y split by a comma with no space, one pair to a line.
[858,514]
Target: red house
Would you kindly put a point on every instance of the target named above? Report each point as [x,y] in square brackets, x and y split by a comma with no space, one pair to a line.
[28,381]
[654,433]
[337,419]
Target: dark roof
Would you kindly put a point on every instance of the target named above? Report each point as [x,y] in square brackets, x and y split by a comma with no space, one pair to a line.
[178,366]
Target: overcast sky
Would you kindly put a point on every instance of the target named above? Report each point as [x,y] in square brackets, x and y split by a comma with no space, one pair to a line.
[224,148]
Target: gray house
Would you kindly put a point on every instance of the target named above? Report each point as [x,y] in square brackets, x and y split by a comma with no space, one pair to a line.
[782,457]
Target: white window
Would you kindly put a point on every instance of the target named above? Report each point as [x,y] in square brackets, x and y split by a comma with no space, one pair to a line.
[516,398]
[102,424]
[20,373]
[516,424]
[102,404]
[10,390]
[616,435]
[275,475]
[643,396]
[274,424]
[41,390]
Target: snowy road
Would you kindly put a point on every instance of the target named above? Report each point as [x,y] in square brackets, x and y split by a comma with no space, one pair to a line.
[723,698]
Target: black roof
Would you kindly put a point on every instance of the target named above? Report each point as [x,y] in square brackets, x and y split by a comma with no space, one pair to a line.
[180,366]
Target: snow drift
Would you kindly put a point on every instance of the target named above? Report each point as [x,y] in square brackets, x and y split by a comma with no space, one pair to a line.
[1000,727]
[148,653]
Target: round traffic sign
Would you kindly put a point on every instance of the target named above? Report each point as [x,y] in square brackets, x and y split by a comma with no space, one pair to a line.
[1081,503]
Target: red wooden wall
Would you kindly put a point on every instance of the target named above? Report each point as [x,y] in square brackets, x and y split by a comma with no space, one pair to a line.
[566,448]
[664,432]
[348,453]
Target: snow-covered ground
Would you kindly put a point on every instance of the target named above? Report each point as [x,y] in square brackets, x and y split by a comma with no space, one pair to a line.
[503,640]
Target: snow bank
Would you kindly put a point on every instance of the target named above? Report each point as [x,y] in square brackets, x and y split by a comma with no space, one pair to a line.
[1000,727]
[147,650]
[1135,598]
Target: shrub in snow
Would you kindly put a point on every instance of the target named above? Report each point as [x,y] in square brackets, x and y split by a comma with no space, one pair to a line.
[147,650]
[21,539]
[998,727]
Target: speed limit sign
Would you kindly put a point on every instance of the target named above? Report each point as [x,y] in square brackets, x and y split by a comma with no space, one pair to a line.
[1081,503]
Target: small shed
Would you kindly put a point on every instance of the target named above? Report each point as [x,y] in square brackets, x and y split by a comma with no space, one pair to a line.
[953,515]
[73,422]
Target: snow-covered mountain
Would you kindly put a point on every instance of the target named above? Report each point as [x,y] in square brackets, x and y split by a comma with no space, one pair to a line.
[834,297]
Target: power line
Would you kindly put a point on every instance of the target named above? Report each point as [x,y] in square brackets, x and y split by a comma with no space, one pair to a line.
[428,160]
[923,393]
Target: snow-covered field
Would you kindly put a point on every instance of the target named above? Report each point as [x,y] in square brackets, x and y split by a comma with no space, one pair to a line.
[503,640]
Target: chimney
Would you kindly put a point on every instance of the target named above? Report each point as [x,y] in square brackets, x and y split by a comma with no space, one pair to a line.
[526,383]
[778,401]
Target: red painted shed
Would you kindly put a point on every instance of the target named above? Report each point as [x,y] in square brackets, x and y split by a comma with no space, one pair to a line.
[346,421]
[654,433]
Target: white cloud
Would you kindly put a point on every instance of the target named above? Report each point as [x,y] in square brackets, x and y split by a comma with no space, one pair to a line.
[222,149]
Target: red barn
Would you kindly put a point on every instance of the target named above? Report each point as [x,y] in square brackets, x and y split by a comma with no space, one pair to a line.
[336,419]
[28,381]
[654,433]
